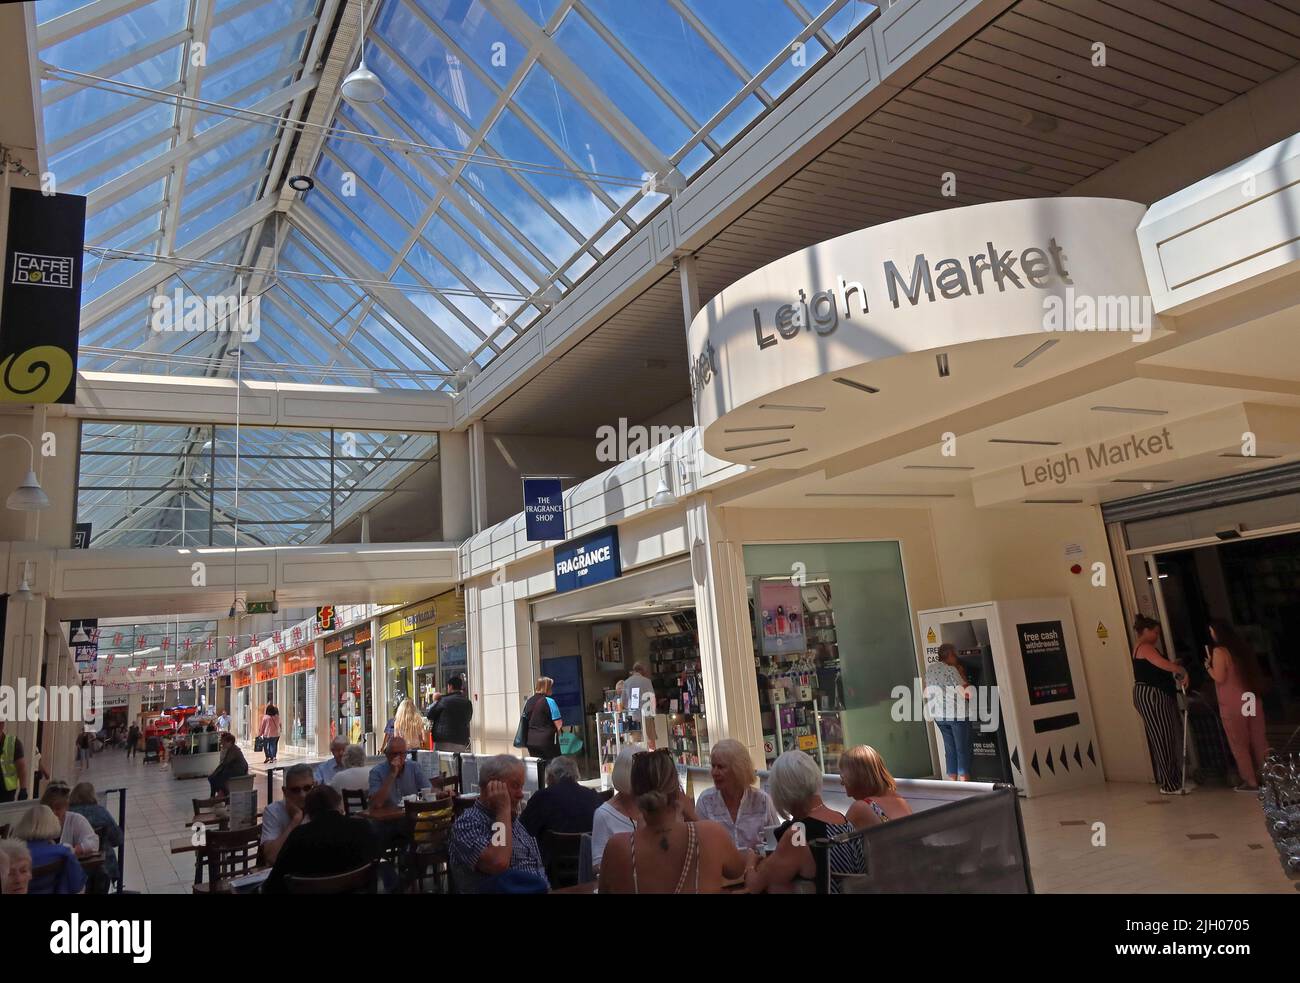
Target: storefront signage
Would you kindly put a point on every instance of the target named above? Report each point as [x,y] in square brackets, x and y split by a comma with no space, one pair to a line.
[40,313]
[1134,449]
[1047,666]
[543,509]
[769,349]
[242,677]
[325,619]
[266,670]
[299,662]
[592,559]
[347,640]
[259,607]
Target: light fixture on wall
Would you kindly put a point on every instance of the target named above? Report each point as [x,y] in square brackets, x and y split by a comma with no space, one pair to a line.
[29,496]
[664,493]
[362,86]
[24,591]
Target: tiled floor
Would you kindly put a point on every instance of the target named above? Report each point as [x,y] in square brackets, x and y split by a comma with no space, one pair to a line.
[1211,840]
[158,811]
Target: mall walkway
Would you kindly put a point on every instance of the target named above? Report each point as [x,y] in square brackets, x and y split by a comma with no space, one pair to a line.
[1211,841]
[158,810]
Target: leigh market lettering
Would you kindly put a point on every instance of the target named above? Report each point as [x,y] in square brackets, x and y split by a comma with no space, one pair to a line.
[1105,454]
[822,311]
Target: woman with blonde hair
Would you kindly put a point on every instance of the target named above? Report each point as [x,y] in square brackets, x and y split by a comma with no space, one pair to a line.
[866,779]
[678,855]
[544,721]
[621,813]
[409,723]
[735,801]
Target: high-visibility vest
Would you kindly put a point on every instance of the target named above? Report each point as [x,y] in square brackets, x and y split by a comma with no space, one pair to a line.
[8,768]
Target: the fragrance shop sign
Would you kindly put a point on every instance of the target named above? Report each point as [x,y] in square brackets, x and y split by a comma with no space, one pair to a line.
[591,559]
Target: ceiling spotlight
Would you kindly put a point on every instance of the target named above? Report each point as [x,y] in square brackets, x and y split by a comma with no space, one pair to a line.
[363,86]
[301,182]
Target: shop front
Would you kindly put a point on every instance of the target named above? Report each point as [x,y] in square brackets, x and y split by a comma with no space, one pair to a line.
[241,690]
[298,699]
[953,415]
[423,646]
[266,692]
[349,660]
[590,638]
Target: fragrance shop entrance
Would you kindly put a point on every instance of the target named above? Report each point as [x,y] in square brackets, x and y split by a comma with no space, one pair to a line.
[591,642]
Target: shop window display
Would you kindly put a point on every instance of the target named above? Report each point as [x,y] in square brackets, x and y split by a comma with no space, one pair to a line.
[832,638]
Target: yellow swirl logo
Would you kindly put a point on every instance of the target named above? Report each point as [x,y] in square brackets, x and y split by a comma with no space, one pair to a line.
[38,375]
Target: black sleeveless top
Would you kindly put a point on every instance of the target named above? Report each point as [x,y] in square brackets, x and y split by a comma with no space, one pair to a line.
[845,858]
[1152,675]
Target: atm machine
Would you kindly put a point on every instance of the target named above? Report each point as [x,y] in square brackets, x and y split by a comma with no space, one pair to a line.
[1024,658]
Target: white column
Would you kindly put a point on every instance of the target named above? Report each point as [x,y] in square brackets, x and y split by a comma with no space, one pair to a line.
[726,647]
[477,477]
[456,480]
[24,641]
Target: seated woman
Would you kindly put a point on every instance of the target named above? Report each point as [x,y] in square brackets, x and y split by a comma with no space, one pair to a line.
[677,855]
[621,813]
[16,864]
[75,831]
[41,828]
[231,764]
[83,802]
[735,801]
[866,779]
[796,787]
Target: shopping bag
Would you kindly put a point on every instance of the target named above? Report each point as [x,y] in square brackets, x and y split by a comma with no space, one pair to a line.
[259,744]
[521,732]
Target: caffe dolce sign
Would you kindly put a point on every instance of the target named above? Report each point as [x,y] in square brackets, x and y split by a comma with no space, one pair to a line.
[763,351]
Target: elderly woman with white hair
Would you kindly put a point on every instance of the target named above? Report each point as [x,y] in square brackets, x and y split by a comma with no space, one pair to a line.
[796,787]
[735,801]
[621,813]
[15,867]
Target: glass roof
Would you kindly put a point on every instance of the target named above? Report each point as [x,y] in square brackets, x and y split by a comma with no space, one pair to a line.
[518,143]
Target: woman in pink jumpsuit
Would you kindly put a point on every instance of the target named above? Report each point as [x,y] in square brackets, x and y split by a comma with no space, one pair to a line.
[1239,682]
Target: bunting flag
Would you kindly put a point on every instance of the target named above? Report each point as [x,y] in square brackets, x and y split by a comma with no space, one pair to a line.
[186,645]
[117,638]
[139,641]
[208,644]
[276,638]
[297,634]
[166,643]
[232,643]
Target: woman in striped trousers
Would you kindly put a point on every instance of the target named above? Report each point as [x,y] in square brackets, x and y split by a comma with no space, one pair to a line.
[1154,680]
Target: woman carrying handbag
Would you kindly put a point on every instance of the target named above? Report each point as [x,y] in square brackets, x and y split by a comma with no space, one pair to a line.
[269,733]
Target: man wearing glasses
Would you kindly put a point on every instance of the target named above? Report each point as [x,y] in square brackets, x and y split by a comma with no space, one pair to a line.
[283,817]
[394,778]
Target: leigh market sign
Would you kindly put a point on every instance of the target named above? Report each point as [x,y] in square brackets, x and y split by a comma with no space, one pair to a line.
[591,559]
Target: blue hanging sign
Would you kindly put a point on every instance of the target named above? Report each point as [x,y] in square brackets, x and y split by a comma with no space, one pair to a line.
[591,559]
[543,509]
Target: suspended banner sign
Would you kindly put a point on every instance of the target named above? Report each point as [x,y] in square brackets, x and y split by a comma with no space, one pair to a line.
[543,509]
[40,314]
[81,536]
